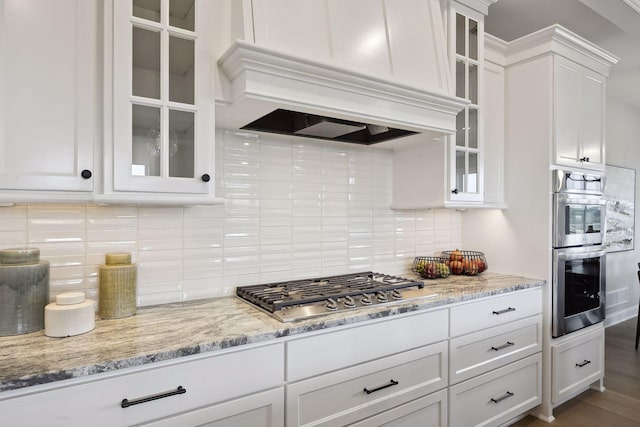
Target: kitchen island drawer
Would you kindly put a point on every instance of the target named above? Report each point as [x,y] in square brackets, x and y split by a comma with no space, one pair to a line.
[494,311]
[498,396]
[151,392]
[351,346]
[428,411]
[576,363]
[482,351]
[358,392]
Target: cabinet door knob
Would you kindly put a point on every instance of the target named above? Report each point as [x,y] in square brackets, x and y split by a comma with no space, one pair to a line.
[584,159]
[205,177]
[86,174]
[454,191]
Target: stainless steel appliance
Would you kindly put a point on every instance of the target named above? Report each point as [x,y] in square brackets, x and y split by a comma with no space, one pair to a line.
[300,299]
[578,209]
[578,288]
[579,256]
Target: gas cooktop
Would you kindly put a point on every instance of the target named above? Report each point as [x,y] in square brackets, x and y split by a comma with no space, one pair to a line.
[300,299]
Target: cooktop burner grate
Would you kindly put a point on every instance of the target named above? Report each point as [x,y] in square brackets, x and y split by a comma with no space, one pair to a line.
[276,296]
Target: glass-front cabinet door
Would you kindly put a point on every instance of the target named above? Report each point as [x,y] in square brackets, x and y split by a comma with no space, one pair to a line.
[465,148]
[163,139]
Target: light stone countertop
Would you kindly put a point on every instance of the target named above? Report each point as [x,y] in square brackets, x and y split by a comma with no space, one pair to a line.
[171,331]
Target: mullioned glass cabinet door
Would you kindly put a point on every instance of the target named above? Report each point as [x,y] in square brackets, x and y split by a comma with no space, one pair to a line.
[465,177]
[163,104]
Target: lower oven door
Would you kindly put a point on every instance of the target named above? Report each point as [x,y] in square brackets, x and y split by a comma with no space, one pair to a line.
[578,288]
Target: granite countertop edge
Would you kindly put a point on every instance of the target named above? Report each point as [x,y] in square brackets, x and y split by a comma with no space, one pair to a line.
[267,329]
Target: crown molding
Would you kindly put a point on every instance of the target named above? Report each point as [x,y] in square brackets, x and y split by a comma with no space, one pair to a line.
[558,40]
[633,4]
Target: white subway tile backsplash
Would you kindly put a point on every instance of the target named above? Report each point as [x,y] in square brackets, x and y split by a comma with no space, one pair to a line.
[13,218]
[294,208]
[200,289]
[164,297]
[13,239]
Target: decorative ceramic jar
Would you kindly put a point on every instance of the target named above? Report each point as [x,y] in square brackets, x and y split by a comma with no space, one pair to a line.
[24,290]
[118,280]
[71,314]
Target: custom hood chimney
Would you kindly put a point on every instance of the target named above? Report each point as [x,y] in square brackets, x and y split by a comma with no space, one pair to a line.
[287,91]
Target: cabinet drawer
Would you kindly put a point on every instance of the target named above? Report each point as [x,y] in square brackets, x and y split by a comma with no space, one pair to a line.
[577,363]
[480,352]
[265,409]
[429,411]
[495,311]
[97,402]
[493,398]
[352,346]
[352,394]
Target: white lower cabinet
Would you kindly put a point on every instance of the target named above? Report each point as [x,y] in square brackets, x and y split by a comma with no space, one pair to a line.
[265,409]
[577,363]
[429,411]
[497,396]
[193,392]
[418,369]
[480,352]
[370,374]
[495,360]
[358,392]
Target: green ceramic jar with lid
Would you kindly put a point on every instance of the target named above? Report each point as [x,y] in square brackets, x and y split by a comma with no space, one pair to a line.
[24,290]
[118,282]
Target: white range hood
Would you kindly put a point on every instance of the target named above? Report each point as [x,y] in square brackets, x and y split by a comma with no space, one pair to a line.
[258,81]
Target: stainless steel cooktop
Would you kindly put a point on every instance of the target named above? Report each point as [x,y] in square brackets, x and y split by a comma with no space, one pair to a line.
[300,299]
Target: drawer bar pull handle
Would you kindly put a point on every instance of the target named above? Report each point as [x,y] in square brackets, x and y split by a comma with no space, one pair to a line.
[503,346]
[506,310]
[126,402]
[584,363]
[391,383]
[501,398]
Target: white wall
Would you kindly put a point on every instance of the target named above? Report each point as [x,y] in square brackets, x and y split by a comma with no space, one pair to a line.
[295,208]
[623,149]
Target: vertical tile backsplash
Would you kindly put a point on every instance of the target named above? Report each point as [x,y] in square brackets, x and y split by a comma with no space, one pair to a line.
[294,208]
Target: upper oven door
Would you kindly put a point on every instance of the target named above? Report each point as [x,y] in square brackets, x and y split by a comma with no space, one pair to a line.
[578,220]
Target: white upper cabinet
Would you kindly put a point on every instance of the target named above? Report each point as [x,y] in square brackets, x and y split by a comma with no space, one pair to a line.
[448,171]
[159,102]
[465,147]
[579,115]
[400,40]
[573,72]
[494,112]
[48,57]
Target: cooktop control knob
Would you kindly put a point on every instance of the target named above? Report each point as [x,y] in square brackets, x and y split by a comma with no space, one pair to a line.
[332,305]
[381,297]
[349,302]
[366,300]
[395,294]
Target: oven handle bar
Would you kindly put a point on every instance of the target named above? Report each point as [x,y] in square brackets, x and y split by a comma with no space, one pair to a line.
[568,254]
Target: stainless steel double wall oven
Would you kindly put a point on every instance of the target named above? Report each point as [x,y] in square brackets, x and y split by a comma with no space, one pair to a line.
[579,255]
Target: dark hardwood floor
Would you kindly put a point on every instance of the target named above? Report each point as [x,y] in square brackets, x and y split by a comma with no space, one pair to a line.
[619,405]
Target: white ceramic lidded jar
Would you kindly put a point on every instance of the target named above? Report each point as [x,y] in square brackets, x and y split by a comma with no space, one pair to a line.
[24,290]
[71,314]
